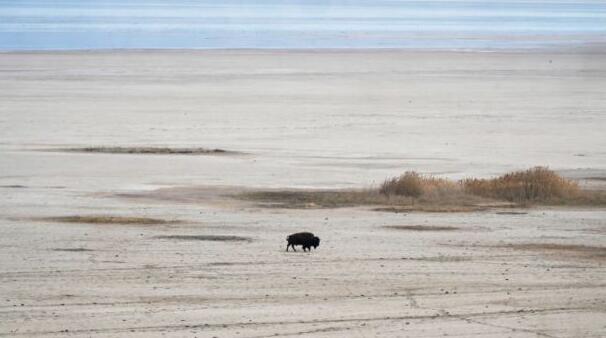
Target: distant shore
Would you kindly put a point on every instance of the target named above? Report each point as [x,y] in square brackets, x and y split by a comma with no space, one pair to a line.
[581,48]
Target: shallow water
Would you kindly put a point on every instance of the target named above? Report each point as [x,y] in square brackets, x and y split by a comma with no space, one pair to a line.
[431,24]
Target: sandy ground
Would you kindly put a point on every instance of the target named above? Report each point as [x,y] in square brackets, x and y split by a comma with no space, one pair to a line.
[329,119]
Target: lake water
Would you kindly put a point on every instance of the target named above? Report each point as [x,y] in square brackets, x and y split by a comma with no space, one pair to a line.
[428,24]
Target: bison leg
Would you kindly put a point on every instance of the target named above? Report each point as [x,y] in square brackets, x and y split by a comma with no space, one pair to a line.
[287,245]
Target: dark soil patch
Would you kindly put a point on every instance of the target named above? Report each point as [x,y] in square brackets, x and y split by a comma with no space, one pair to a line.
[146,150]
[318,199]
[571,249]
[421,228]
[430,208]
[72,249]
[99,219]
[440,259]
[311,199]
[212,238]
[13,186]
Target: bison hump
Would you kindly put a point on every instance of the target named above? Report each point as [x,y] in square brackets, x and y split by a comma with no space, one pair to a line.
[300,236]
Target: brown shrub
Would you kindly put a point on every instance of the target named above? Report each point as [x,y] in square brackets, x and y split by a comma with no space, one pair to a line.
[412,184]
[415,192]
[537,184]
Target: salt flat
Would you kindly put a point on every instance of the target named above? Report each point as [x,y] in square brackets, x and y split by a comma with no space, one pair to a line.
[296,119]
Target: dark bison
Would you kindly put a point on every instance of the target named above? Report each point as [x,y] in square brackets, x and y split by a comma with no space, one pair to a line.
[306,239]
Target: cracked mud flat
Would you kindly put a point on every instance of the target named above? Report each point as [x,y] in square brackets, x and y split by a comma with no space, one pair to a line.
[219,266]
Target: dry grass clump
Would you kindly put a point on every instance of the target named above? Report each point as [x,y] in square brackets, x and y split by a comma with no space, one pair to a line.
[413,184]
[537,184]
[416,192]
[107,220]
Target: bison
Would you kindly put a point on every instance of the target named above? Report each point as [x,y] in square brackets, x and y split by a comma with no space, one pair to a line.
[306,239]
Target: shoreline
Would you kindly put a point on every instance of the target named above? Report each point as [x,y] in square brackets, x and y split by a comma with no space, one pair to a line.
[583,49]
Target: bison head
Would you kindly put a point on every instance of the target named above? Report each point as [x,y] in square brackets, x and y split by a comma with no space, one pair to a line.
[316,242]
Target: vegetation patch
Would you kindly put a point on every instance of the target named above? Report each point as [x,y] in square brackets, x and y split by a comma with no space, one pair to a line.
[413,184]
[147,150]
[529,186]
[100,219]
[212,238]
[416,192]
[421,228]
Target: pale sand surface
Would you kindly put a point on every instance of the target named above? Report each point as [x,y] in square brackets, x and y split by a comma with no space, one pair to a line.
[331,119]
